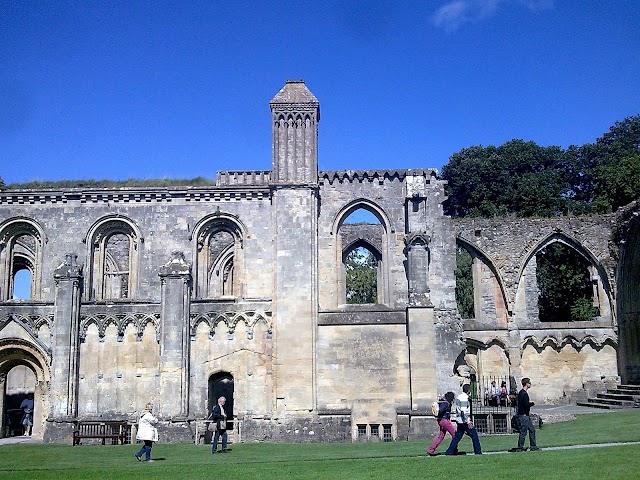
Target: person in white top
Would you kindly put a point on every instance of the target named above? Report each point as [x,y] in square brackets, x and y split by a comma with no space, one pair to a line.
[27,417]
[147,432]
[465,425]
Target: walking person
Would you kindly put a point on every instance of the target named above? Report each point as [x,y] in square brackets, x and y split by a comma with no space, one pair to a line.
[220,417]
[27,414]
[464,423]
[444,422]
[147,432]
[524,421]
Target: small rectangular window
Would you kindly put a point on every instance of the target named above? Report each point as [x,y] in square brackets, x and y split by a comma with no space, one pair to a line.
[375,430]
[362,432]
[481,423]
[500,424]
[386,433]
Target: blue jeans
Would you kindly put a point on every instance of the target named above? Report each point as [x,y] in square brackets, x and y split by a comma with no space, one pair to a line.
[462,429]
[216,436]
[146,449]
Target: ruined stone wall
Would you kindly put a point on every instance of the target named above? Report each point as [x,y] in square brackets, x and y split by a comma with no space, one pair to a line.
[563,357]
[509,244]
[165,224]
[246,279]
[562,375]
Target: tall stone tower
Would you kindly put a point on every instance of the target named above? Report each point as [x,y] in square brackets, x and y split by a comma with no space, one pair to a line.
[295,113]
[294,183]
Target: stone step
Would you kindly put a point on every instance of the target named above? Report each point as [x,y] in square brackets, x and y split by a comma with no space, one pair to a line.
[615,396]
[598,405]
[606,401]
[630,387]
[624,391]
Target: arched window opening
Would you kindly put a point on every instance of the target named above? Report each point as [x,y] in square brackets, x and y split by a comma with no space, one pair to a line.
[362,241]
[220,273]
[363,217]
[22,284]
[464,283]
[361,267]
[20,260]
[114,257]
[116,268]
[565,287]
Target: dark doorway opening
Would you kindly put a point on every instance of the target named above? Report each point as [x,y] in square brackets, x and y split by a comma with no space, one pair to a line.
[221,385]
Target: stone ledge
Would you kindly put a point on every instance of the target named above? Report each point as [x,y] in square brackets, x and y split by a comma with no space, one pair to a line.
[362,317]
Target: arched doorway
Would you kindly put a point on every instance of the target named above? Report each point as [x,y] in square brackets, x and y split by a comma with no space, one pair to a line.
[23,370]
[19,384]
[221,385]
[628,277]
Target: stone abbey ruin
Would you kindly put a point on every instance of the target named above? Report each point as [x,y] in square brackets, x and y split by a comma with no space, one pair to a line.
[174,295]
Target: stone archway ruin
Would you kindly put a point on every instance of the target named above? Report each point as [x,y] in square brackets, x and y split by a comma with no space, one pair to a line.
[15,352]
[628,302]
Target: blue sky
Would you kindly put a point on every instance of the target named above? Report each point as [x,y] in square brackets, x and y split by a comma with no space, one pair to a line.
[128,89]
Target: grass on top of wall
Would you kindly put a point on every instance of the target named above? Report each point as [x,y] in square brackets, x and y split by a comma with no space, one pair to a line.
[349,461]
[131,182]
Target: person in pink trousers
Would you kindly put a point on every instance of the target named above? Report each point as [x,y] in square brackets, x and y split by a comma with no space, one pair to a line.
[444,422]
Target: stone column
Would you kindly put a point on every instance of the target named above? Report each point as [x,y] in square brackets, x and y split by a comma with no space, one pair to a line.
[421,330]
[65,346]
[422,356]
[3,380]
[295,301]
[175,279]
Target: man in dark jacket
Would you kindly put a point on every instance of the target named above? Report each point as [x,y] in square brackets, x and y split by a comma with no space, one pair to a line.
[524,407]
[220,417]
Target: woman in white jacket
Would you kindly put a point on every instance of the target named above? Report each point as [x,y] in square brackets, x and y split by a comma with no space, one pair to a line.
[147,432]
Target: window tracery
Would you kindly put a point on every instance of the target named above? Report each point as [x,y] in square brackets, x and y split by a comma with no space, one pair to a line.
[114,247]
[218,258]
[21,242]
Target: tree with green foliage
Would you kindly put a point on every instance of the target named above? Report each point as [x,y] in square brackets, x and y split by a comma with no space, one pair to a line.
[464,283]
[524,179]
[611,168]
[517,178]
[362,276]
[564,285]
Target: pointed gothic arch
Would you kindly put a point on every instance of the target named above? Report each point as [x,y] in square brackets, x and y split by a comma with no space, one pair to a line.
[602,291]
[484,266]
[377,243]
[628,301]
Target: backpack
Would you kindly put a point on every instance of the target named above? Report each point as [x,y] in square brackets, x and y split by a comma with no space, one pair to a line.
[435,408]
[515,424]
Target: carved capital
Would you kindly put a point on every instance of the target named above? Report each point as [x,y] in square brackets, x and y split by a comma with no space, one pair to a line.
[175,267]
[69,268]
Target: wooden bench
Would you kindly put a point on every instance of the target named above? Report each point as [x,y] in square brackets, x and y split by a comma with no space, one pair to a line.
[116,431]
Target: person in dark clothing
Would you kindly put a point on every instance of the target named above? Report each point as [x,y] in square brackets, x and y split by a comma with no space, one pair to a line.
[524,407]
[444,422]
[220,417]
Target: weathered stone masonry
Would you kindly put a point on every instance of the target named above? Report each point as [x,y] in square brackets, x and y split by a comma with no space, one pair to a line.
[159,294]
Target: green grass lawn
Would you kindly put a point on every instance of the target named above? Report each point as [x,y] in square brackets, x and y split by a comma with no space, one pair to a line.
[397,460]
